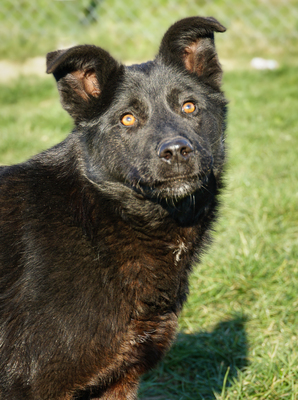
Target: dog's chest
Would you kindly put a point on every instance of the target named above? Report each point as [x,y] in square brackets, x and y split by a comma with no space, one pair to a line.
[148,340]
[152,271]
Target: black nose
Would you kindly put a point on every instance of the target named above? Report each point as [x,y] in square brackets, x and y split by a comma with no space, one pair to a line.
[177,148]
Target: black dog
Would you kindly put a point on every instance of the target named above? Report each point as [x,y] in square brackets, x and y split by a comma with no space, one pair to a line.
[98,234]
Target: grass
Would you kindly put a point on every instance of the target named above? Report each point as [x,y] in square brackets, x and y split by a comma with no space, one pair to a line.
[238,330]
[31,118]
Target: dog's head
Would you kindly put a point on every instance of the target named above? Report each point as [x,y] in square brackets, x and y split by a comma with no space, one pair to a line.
[156,127]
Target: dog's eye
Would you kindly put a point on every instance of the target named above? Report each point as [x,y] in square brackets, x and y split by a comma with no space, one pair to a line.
[128,120]
[188,107]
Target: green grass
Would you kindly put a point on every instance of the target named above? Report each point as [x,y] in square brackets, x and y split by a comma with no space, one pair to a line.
[31,118]
[238,331]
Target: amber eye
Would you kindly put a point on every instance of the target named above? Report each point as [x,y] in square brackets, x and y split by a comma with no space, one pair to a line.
[128,120]
[188,107]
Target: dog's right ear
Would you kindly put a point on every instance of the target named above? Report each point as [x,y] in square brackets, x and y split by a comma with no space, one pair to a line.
[82,73]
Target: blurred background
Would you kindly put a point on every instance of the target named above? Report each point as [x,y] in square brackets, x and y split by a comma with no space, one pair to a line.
[132,31]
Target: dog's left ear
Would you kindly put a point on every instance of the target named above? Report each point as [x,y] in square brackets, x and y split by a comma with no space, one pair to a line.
[190,43]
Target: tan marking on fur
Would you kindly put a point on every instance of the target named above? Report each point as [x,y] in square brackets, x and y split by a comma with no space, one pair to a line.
[189,57]
[88,83]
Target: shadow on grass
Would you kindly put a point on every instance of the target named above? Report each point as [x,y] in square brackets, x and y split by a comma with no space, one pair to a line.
[198,364]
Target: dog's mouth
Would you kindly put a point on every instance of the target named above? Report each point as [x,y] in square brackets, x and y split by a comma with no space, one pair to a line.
[173,189]
[185,199]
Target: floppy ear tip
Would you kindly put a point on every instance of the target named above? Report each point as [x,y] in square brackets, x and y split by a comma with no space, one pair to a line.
[217,26]
[50,60]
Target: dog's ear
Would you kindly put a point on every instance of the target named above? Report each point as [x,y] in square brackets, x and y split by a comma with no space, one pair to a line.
[82,73]
[190,44]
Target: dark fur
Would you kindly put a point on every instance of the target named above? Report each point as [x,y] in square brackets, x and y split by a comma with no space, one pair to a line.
[98,234]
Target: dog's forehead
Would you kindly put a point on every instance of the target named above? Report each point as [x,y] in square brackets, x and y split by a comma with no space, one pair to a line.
[156,83]
[155,78]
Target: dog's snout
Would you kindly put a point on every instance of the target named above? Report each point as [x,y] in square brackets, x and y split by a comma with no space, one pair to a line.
[177,148]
